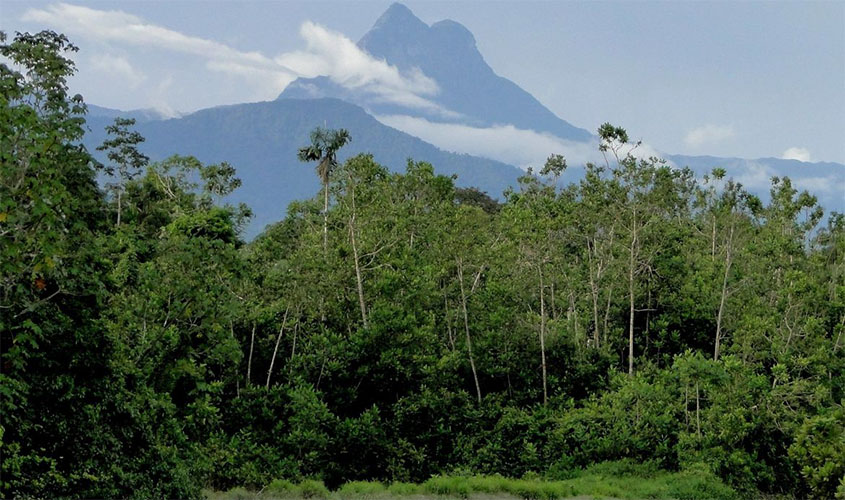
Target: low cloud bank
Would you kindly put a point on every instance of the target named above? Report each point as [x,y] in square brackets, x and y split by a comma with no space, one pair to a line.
[520,147]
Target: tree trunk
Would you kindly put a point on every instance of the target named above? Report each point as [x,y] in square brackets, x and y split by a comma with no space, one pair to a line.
[606,321]
[448,323]
[249,362]
[543,335]
[325,216]
[358,279]
[697,411]
[466,328]
[728,261]
[276,349]
[293,345]
[594,292]
[119,191]
[713,240]
[413,226]
[631,304]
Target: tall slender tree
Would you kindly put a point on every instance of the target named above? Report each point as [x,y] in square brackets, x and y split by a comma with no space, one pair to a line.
[122,151]
[323,149]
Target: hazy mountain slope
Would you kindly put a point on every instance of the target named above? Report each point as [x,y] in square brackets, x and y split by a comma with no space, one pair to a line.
[261,141]
[446,52]
[140,115]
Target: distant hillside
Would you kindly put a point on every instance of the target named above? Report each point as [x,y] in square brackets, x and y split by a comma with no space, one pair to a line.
[446,52]
[140,115]
[261,140]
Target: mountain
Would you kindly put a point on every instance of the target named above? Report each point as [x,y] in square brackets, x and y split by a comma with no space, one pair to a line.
[469,92]
[261,140]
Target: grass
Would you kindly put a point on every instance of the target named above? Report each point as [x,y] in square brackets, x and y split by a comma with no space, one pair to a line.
[613,481]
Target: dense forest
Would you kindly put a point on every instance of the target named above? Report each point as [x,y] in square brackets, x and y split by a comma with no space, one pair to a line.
[395,327]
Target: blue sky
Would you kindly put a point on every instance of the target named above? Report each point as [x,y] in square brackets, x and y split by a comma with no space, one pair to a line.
[745,79]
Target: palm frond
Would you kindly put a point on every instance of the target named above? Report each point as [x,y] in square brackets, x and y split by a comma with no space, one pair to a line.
[310,153]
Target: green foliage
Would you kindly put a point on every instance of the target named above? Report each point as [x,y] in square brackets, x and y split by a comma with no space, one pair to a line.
[323,149]
[122,150]
[681,334]
[595,482]
[53,386]
[308,488]
[361,489]
[819,453]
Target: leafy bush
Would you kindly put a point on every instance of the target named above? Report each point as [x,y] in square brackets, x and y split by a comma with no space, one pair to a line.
[361,489]
[693,485]
[637,419]
[240,493]
[404,489]
[281,488]
[310,488]
[623,468]
[819,452]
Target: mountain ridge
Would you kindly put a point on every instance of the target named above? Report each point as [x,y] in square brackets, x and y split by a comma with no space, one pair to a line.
[447,53]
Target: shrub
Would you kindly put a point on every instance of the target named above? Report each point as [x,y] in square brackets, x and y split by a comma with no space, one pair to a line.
[691,485]
[624,468]
[313,489]
[359,489]
[238,493]
[404,489]
[280,488]
[819,452]
[445,485]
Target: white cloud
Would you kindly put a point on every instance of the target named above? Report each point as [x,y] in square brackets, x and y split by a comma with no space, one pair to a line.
[331,54]
[118,26]
[520,147]
[756,176]
[820,185]
[800,154]
[505,143]
[158,98]
[709,135]
[327,53]
[118,66]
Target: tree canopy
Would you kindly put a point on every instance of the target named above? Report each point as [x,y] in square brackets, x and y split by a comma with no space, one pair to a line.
[396,327]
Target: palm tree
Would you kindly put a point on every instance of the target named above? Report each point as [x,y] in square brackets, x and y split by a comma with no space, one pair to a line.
[323,148]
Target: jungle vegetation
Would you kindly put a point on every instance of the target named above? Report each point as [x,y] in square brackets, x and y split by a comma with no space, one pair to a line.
[396,328]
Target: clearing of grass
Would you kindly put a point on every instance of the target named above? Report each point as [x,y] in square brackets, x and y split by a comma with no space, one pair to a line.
[596,482]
